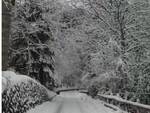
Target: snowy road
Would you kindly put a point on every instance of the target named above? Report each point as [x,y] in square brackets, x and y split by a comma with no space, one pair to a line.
[73,102]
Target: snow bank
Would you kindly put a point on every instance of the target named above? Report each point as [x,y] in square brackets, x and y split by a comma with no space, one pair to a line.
[21,93]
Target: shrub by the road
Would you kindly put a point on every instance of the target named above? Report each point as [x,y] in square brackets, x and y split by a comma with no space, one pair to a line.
[18,96]
[92,90]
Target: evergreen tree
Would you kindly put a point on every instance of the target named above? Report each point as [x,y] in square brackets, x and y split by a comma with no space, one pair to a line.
[29,50]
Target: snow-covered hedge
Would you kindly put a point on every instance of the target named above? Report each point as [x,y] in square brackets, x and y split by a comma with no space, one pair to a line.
[21,93]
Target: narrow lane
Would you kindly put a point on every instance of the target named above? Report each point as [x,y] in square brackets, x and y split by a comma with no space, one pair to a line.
[73,102]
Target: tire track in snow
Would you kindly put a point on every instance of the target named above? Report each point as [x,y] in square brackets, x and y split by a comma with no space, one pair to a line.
[89,105]
[79,104]
[60,106]
[71,106]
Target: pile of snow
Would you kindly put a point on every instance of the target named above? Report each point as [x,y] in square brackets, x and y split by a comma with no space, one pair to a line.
[21,93]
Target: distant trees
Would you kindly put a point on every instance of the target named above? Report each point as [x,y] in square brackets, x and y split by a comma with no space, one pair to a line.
[68,41]
[69,81]
[29,52]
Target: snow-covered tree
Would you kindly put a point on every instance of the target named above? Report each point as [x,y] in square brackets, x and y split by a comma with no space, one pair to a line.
[127,27]
[139,49]
[108,18]
[30,35]
[68,41]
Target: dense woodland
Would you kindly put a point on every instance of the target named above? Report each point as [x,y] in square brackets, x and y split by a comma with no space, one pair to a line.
[98,44]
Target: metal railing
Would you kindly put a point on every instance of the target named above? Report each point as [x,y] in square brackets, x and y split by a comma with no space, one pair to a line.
[68,89]
[131,107]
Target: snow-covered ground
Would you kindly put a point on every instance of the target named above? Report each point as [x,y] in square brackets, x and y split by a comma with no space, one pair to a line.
[73,102]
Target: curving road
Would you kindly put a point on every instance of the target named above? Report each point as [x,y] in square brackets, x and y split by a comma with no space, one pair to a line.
[73,102]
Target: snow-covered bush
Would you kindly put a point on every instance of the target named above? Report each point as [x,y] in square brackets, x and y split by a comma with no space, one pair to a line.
[21,93]
[93,90]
